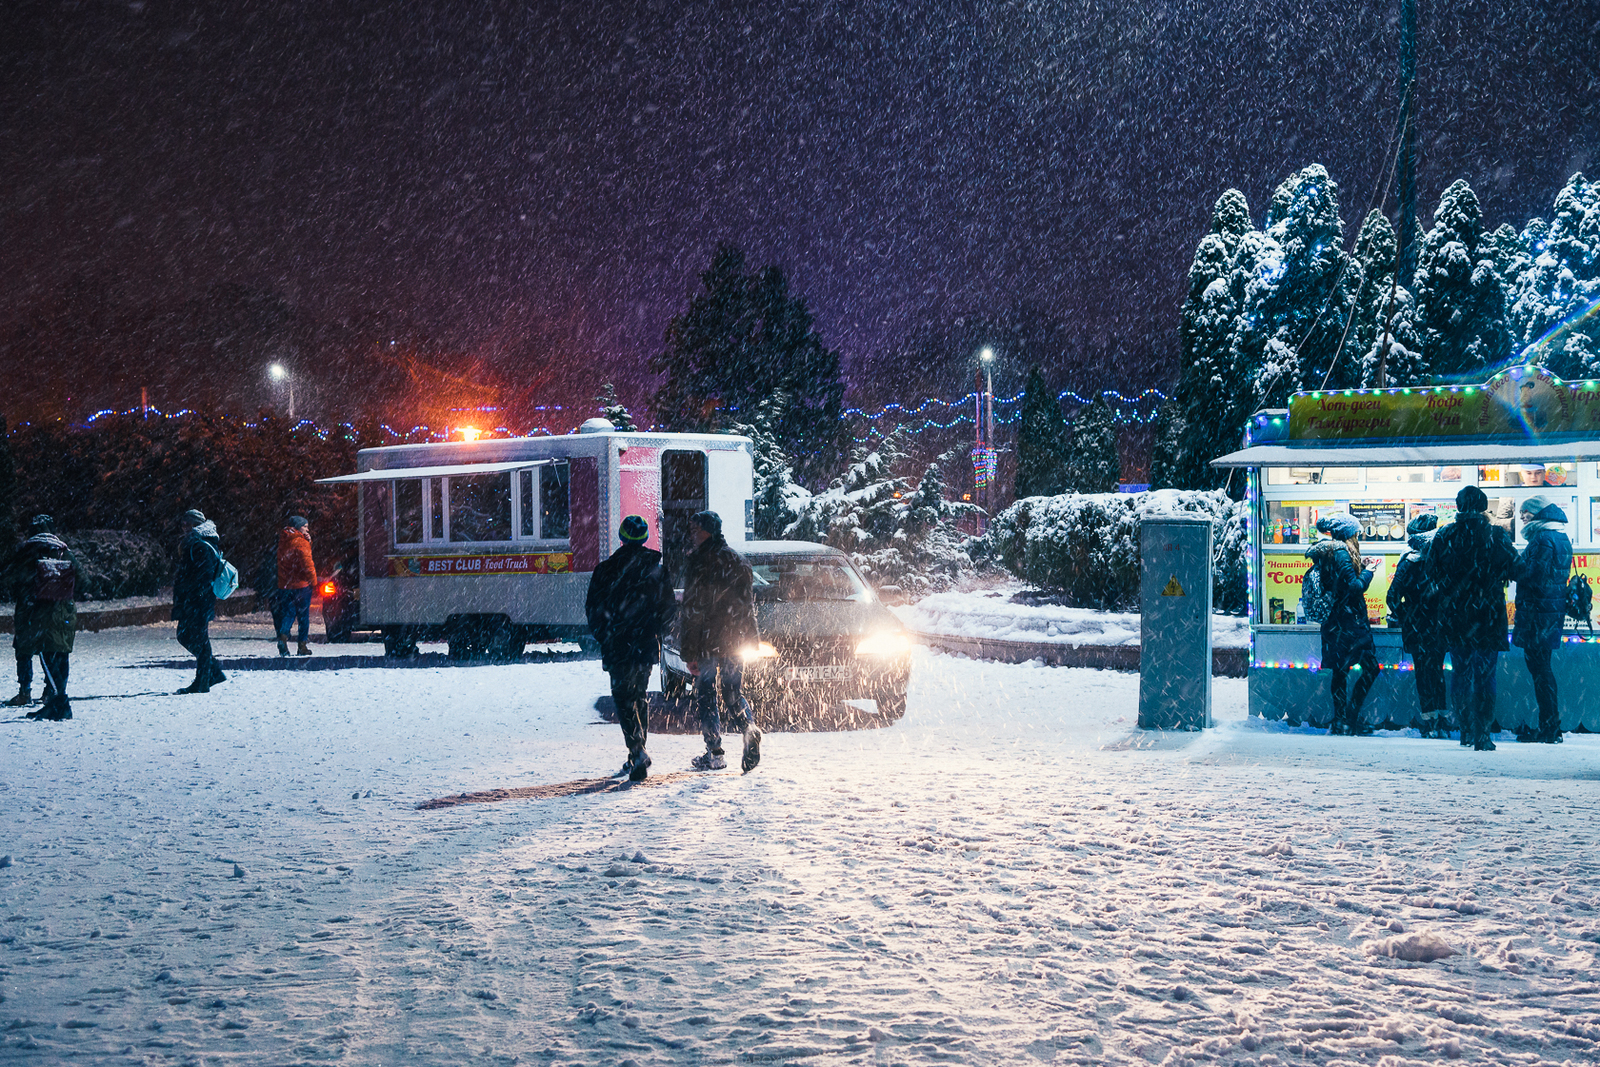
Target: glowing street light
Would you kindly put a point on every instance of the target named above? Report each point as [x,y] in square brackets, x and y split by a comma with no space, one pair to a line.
[279,373]
[983,455]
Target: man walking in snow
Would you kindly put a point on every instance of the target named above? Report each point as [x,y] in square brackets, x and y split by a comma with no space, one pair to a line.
[629,607]
[193,602]
[1542,571]
[43,578]
[718,624]
[297,576]
[1469,563]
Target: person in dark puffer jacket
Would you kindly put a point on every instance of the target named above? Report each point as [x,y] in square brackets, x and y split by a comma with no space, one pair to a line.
[1414,604]
[1542,570]
[1469,563]
[1346,632]
[718,623]
[194,604]
[46,620]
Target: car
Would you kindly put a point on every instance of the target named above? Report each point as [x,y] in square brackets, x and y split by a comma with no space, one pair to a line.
[341,600]
[825,638]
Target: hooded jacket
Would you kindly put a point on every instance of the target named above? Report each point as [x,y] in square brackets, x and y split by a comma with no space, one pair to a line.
[1469,563]
[296,567]
[1412,600]
[630,606]
[1542,570]
[719,602]
[199,563]
[41,625]
[1346,634]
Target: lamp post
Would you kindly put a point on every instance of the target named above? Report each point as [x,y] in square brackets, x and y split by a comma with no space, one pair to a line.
[983,454]
[279,373]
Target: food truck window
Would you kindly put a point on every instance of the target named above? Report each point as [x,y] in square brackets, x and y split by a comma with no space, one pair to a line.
[408,511]
[1312,475]
[435,531]
[1400,474]
[528,525]
[555,506]
[480,507]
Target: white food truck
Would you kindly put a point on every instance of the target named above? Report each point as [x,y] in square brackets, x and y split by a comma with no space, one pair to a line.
[489,544]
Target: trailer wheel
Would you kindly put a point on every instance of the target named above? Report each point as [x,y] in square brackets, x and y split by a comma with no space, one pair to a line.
[398,644]
[504,644]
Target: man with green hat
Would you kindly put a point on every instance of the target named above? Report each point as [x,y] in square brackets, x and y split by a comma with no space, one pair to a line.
[629,608]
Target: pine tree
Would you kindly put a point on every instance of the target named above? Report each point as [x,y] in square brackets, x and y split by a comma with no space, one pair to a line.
[1041,440]
[613,410]
[1093,465]
[1376,303]
[1296,306]
[1460,306]
[1555,279]
[778,499]
[743,338]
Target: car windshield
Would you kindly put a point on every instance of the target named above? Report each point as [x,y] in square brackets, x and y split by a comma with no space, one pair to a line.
[797,578]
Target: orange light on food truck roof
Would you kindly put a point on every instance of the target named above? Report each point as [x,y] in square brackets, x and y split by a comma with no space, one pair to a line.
[470,433]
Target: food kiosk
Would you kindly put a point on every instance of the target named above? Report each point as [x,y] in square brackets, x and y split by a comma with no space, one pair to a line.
[1386,456]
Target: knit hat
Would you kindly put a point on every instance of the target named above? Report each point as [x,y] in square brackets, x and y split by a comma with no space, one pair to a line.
[1340,524]
[193,517]
[634,529]
[1534,504]
[41,524]
[1471,498]
[1427,522]
[709,521]
[297,522]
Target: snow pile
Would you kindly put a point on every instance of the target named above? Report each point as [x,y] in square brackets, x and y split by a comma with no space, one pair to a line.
[1424,947]
[1086,545]
[1006,615]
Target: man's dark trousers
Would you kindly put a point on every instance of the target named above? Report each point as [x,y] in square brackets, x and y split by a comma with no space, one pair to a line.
[628,684]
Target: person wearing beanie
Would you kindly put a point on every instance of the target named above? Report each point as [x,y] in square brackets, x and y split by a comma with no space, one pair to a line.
[1542,571]
[1469,563]
[1346,633]
[630,607]
[194,605]
[43,577]
[718,625]
[1414,607]
[297,579]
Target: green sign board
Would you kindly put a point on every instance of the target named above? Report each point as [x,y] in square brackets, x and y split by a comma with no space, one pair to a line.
[1524,403]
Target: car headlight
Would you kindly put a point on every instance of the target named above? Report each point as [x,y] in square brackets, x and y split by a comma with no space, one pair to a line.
[886,643]
[761,650]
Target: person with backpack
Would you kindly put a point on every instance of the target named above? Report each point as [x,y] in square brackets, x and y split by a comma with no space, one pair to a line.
[44,576]
[1469,563]
[297,579]
[629,607]
[1346,633]
[194,600]
[1413,604]
[1541,576]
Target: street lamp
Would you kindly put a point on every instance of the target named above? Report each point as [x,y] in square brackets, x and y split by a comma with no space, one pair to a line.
[279,373]
[983,455]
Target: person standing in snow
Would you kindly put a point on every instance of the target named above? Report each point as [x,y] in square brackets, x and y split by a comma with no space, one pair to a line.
[43,576]
[1541,576]
[1346,633]
[297,577]
[1469,563]
[1414,604]
[193,603]
[629,607]
[719,623]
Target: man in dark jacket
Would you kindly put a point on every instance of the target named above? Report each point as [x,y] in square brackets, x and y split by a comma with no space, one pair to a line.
[193,602]
[718,627]
[1346,632]
[1541,575]
[629,607]
[1469,563]
[1414,604]
[43,577]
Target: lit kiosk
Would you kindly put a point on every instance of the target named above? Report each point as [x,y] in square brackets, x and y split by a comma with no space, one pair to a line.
[1386,456]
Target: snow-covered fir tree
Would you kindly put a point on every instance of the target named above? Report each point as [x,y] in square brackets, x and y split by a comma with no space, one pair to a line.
[1093,465]
[1460,305]
[614,410]
[1041,440]
[1555,281]
[1295,312]
[1378,306]
[778,498]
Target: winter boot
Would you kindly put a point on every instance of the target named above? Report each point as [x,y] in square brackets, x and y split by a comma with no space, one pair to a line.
[709,761]
[752,749]
[283,646]
[59,709]
[199,685]
[641,767]
[303,650]
[215,675]
[23,698]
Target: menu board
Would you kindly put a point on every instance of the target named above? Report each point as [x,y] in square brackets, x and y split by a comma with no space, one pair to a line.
[1283,573]
[1383,520]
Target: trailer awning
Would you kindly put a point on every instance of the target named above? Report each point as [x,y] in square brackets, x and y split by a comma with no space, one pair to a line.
[433,472]
[1430,455]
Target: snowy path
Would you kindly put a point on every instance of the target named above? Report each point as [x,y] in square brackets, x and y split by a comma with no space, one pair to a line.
[1005,876]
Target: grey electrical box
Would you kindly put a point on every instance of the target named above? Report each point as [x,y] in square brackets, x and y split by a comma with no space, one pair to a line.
[1175,624]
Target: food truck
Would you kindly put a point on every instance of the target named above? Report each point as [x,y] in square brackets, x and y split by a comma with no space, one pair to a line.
[1385,456]
[489,544]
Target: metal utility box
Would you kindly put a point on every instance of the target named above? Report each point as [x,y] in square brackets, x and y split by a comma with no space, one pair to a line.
[1175,624]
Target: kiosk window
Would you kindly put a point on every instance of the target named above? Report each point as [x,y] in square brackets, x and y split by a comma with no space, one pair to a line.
[408,512]
[555,509]
[480,507]
[1400,474]
[1312,475]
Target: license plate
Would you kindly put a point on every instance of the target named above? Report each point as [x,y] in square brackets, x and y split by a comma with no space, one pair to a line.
[830,673]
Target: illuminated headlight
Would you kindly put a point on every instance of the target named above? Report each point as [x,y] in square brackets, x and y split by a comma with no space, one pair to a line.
[887,643]
[758,651]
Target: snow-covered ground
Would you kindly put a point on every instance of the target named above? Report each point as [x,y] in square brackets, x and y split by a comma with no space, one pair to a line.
[1010,874]
[996,614]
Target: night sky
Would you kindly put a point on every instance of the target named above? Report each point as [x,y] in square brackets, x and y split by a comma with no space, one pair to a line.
[549,178]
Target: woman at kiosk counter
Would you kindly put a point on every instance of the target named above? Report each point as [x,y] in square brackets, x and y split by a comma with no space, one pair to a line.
[1542,571]
[1346,633]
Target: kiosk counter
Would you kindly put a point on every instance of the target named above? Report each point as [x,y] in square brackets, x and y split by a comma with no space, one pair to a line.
[1386,456]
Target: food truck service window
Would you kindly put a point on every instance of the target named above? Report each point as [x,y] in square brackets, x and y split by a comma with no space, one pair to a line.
[542,503]
[480,507]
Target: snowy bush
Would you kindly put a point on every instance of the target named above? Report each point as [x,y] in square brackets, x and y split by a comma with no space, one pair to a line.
[903,537]
[118,564]
[1087,545]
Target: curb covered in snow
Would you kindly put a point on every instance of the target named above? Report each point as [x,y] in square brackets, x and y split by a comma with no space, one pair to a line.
[242,602]
[1227,662]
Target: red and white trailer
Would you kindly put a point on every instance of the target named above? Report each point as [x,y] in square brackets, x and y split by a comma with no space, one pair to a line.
[489,544]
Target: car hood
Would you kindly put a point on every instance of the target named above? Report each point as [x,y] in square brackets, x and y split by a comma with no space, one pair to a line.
[823,618]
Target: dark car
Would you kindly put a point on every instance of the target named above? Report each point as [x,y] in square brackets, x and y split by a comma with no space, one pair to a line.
[825,636]
[341,599]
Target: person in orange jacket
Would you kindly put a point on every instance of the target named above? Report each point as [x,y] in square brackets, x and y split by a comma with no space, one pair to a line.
[297,577]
